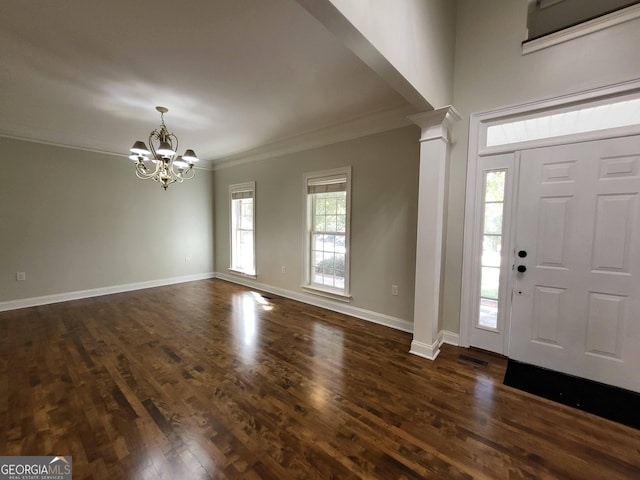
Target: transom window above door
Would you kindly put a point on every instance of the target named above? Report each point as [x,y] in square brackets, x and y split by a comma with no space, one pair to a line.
[583,121]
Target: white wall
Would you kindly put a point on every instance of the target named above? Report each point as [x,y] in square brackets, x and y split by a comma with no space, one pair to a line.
[76,220]
[415,36]
[491,72]
[383,221]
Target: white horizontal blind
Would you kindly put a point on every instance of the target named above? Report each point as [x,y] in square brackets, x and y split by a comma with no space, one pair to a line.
[240,195]
[326,185]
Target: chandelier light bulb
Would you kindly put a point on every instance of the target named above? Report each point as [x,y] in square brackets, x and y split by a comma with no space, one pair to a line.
[190,156]
[140,148]
[165,149]
[180,163]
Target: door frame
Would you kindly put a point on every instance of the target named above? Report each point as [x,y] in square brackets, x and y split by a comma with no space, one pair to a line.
[478,125]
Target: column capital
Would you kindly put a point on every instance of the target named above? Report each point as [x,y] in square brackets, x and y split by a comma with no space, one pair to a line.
[435,124]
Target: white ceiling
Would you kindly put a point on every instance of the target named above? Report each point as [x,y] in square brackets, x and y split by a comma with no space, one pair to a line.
[236,75]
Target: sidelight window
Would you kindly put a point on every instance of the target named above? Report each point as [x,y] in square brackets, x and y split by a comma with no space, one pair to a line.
[492,234]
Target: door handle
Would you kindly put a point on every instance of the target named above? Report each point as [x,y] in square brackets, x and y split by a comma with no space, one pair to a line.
[522,268]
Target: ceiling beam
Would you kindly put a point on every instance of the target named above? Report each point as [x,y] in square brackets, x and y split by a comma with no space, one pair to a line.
[328,15]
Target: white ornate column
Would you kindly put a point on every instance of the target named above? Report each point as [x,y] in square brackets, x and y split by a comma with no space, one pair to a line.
[432,197]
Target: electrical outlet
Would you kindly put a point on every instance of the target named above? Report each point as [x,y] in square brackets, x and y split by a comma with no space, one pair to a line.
[394,290]
[187,259]
[284,269]
[21,276]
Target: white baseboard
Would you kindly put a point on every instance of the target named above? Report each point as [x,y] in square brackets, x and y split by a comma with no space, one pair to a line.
[96,292]
[375,317]
[417,348]
[450,338]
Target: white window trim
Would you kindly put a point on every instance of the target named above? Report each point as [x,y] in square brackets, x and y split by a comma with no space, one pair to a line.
[328,292]
[242,187]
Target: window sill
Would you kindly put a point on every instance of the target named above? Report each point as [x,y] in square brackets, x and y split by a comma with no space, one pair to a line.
[322,292]
[242,274]
[585,28]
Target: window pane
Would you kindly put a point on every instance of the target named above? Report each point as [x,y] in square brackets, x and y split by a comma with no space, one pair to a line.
[493,218]
[331,205]
[584,119]
[329,243]
[246,219]
[318,242]
[331,223]
[245,250]
[319,223]
[329,212]
[327,263]
[339,265]
[491,250]
[494,186]
[490,262]
[319,205]
[488,313]
[490,282]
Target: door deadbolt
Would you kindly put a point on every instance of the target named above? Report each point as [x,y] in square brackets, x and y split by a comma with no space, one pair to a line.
[522,253]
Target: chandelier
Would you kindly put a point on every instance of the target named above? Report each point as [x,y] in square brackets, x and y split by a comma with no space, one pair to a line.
[161,163]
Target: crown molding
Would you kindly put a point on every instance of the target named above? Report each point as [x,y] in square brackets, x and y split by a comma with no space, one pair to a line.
[359,127]
[203,165]
[12,136]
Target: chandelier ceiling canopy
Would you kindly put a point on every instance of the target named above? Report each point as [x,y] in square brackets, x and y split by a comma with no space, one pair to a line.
[159,162]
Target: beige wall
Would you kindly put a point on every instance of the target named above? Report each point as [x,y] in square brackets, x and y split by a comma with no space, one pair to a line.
[491,72]
[76,220]
[384,212]
[416,36]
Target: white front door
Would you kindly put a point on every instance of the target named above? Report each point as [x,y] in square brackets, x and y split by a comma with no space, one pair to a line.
[576,307]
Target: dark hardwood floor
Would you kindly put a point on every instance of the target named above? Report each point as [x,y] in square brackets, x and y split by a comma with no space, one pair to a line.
[211,380]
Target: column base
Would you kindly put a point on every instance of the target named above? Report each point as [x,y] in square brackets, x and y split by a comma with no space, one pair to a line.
[424,350]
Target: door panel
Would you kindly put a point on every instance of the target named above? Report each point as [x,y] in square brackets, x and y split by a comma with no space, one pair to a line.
[575,308]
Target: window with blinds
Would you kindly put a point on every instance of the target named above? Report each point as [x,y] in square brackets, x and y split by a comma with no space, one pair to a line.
[242,242]
[327,236]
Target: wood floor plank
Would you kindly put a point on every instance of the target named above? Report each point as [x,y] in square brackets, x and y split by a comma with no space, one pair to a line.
[211,380]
